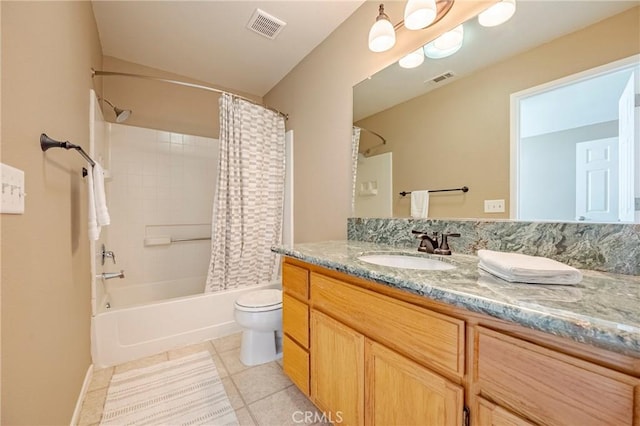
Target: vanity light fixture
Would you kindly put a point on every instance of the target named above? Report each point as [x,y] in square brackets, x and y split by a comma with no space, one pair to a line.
[419,14]
[382,35]
[445,45]
[412,60]
[498,13]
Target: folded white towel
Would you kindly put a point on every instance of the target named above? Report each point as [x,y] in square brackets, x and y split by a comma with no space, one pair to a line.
[94,229]
[97,209]
[419,204]
[102,213]
[516,267]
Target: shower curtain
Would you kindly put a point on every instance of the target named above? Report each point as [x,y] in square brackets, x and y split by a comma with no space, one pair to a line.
[355,149]
[248,204]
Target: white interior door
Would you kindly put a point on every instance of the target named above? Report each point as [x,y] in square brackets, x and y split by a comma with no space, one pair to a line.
[626,134]
[597,180]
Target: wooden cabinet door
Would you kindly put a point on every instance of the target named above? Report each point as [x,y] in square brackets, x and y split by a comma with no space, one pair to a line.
[490,414]
[337,370]
[402,392]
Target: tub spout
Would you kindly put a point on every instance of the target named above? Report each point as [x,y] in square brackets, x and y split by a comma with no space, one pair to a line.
[112,275]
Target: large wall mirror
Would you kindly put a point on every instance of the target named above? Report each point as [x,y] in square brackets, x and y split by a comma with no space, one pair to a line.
[449,122]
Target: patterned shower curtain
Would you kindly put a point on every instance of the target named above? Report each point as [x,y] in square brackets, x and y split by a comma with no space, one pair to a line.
[355,149]
[248,204]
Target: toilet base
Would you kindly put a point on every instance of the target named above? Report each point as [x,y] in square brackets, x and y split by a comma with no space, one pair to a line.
[259,347]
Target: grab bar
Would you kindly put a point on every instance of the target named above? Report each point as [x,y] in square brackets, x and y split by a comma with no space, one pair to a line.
[179,240]
[165,240]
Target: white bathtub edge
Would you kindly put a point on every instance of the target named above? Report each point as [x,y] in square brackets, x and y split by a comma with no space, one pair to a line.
[122,335]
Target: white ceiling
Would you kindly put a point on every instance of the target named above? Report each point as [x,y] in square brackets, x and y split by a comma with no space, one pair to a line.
[210,41]
[534,23]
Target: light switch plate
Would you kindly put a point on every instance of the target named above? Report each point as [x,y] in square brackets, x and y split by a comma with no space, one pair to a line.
[13,193]
[494,206]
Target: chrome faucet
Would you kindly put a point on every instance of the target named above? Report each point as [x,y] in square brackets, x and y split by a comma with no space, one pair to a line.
[431,245]
[112,275]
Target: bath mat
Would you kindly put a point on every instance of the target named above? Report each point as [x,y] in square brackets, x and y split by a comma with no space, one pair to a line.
[185,391]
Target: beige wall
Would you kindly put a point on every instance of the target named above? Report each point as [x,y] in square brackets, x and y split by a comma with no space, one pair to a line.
[317,94]
[160,105]
[0,216]
[459,134]
[48,49]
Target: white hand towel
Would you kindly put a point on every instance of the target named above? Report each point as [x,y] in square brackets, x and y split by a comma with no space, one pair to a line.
[94,229]
[516,267]
[102,213]
[419,204]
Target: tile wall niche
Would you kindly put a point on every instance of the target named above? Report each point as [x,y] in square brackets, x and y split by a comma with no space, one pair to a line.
[161,184]
[601,247]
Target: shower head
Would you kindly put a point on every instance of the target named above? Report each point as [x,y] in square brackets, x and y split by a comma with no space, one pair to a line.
[121,114]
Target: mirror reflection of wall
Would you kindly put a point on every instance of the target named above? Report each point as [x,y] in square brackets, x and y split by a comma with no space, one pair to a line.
[576,157]
[374,187]
[459,133]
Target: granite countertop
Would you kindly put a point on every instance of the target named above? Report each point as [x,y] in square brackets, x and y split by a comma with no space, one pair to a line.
[603,310]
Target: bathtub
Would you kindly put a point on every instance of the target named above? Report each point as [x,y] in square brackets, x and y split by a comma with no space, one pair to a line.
[146,319]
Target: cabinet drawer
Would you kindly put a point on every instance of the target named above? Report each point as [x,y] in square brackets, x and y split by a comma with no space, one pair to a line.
[295,320]
[295,362]
[550,388]
[430,338]
[491,414]
[295,280]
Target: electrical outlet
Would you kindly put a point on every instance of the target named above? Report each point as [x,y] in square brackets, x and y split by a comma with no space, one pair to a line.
[494,206]
[637,204]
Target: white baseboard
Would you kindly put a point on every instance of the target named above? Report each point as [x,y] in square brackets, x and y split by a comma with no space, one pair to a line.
[83,392]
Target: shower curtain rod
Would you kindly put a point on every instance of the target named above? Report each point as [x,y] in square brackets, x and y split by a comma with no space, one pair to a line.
[183,83]
[384,141]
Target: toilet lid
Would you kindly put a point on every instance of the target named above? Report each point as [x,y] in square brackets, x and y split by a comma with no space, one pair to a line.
[262,300]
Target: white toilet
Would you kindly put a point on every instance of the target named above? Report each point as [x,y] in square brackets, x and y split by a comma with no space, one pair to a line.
[259,313]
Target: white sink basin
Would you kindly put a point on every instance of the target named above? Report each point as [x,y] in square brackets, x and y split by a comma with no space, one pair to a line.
[406,261]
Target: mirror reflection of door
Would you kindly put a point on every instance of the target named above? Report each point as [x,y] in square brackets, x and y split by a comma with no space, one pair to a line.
[577,147]
[597,180]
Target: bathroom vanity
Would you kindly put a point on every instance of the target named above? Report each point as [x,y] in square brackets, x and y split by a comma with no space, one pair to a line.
[380,345]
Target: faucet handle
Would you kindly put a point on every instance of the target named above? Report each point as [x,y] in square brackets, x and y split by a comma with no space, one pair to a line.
[444,247]
[107,253]
[423,234]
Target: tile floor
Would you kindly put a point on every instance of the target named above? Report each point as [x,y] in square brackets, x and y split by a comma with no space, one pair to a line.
[261,395]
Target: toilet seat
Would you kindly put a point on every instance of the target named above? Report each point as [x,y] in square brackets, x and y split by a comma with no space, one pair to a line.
[260,301]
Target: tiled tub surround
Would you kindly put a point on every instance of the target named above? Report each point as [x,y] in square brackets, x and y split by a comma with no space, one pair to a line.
[601,247]
[603,310]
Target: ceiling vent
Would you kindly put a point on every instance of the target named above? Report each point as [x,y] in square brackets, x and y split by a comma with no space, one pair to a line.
[440,78]
[266,25]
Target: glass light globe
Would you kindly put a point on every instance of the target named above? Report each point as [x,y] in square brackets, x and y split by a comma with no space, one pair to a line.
[450,39]
[412,60]
[430,51]
[419,14]
[497,14]
[382,36]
